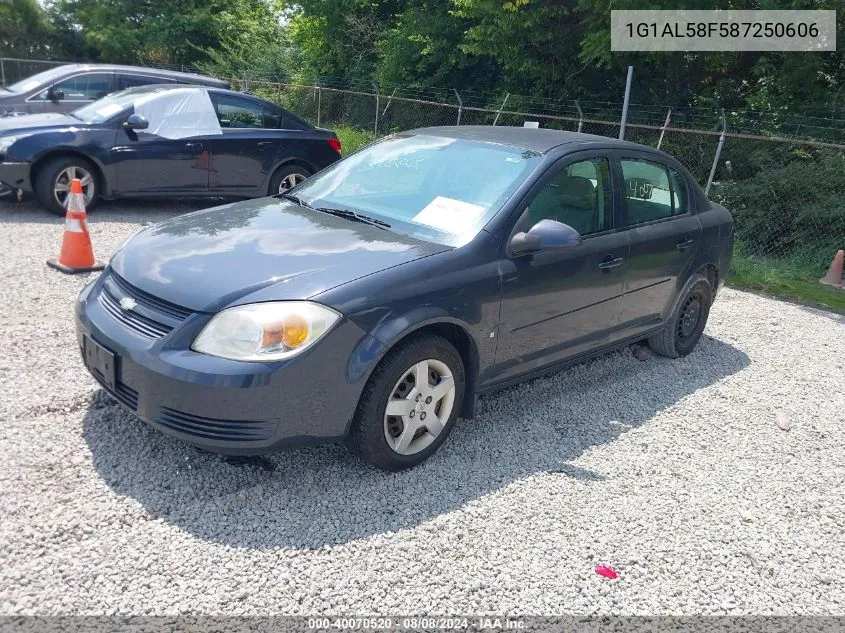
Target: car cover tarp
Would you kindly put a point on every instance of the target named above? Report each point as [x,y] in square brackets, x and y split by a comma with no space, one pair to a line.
[179,113]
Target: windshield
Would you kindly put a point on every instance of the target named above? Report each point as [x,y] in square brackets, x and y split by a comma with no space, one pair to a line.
[107,107]
[42,78]
[434,188]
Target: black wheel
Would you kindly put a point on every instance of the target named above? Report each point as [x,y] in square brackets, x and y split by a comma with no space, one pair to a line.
[52,183]
[286,178]
[409,405]
[687,321]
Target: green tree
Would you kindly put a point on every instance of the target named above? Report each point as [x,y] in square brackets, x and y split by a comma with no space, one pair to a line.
[24,29]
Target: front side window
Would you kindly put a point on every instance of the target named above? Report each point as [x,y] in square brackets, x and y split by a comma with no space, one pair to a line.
[89,87]
[648,192]
[239,113]
[578,195]
[435,188]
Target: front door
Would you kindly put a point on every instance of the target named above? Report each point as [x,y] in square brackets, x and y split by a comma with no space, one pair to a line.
[558,304]
[663,234]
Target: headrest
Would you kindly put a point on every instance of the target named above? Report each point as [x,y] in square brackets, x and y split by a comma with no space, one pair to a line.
[577,192]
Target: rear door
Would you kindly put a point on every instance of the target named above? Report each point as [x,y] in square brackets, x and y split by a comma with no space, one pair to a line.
[558,304]
[663,232]
[244,154]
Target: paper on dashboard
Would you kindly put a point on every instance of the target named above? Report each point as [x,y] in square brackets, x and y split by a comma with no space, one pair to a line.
[449,215]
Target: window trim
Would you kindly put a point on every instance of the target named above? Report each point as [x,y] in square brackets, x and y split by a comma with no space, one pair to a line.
[158,80]
[643,156]
[551,171]
[111,85]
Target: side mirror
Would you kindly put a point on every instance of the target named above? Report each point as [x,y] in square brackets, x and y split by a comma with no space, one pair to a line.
[56,94]
[545,235]
[135,122]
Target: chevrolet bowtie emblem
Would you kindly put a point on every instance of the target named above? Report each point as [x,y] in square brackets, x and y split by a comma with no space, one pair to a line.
[128,303]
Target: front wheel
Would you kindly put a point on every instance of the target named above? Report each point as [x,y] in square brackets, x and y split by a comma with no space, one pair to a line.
[286,178]
[52,183]
[409,405]
[687,321]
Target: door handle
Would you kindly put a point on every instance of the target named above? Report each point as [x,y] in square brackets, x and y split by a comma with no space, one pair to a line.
[611,263]
[193,145]
[265,144]
[682,246]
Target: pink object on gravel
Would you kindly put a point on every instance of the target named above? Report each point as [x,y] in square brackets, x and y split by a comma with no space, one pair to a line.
[607,572]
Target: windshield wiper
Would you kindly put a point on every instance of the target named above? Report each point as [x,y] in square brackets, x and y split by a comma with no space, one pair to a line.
[355,217]
[341,213]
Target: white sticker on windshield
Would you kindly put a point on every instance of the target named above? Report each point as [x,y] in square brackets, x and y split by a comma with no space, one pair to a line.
[107,110]
[449,215]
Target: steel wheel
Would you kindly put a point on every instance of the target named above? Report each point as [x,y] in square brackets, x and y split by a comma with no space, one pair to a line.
[61,186]
[419,406]
[689,319]
[290,181]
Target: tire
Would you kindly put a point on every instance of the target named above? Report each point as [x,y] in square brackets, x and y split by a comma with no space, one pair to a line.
[375,436]
[289,172]
[56,172]
[686,323]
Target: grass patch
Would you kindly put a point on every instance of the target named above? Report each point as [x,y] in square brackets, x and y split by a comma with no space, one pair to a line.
[352,139]
[782,281]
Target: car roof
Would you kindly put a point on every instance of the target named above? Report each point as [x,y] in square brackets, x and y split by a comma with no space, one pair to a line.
[160,72]
[540,140]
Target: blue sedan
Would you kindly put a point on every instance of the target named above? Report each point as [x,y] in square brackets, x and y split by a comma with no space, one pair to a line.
[376,301]
[161,141]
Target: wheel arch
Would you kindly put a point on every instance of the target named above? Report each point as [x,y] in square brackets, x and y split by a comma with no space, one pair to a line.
[456,333]
[53,154]
[287,162]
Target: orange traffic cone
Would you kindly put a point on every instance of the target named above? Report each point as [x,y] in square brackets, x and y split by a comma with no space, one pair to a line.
[77,256]
[834,273]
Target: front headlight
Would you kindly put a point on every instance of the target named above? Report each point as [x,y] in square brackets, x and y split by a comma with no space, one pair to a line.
[265,331]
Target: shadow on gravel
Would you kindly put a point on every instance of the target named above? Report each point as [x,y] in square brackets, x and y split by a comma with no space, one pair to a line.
[313,497]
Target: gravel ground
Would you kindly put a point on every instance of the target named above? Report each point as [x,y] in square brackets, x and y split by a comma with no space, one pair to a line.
[711,484]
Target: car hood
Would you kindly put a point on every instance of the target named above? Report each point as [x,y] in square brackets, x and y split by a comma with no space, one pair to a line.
[258,250]
[37,122]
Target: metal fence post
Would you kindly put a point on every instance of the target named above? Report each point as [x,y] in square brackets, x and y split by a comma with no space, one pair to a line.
[319,104]
[625,104]
[496,120]
[375,127]
[580,115]
[663,129]
[718,153]
[3,70]
[460,106]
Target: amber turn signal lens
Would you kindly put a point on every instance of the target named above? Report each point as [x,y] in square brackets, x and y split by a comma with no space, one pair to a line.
[296,331]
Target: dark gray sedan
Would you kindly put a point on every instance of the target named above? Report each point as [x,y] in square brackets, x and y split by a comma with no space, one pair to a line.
[376,301]
[70,86]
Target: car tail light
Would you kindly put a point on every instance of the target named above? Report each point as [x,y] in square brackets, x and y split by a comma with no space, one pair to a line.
[334,143]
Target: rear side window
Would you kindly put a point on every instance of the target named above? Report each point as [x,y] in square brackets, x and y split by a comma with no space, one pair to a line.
[233,112]
[648,194]
[679,193]
[131,81]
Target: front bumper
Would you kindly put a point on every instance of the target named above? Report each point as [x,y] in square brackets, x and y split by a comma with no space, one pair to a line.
[14,178]
[224,406]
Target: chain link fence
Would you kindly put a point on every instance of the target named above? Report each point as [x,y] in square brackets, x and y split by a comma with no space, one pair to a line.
[787,194]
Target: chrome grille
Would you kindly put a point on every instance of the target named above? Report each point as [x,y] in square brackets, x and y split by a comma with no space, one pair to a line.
[150,317]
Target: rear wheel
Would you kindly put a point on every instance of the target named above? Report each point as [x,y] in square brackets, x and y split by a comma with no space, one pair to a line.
[687,321]
[286,178]
[52,183]
[409,405]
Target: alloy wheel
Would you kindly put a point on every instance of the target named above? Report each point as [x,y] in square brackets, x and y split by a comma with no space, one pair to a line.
[61,187]
[290,181]
[419,406]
